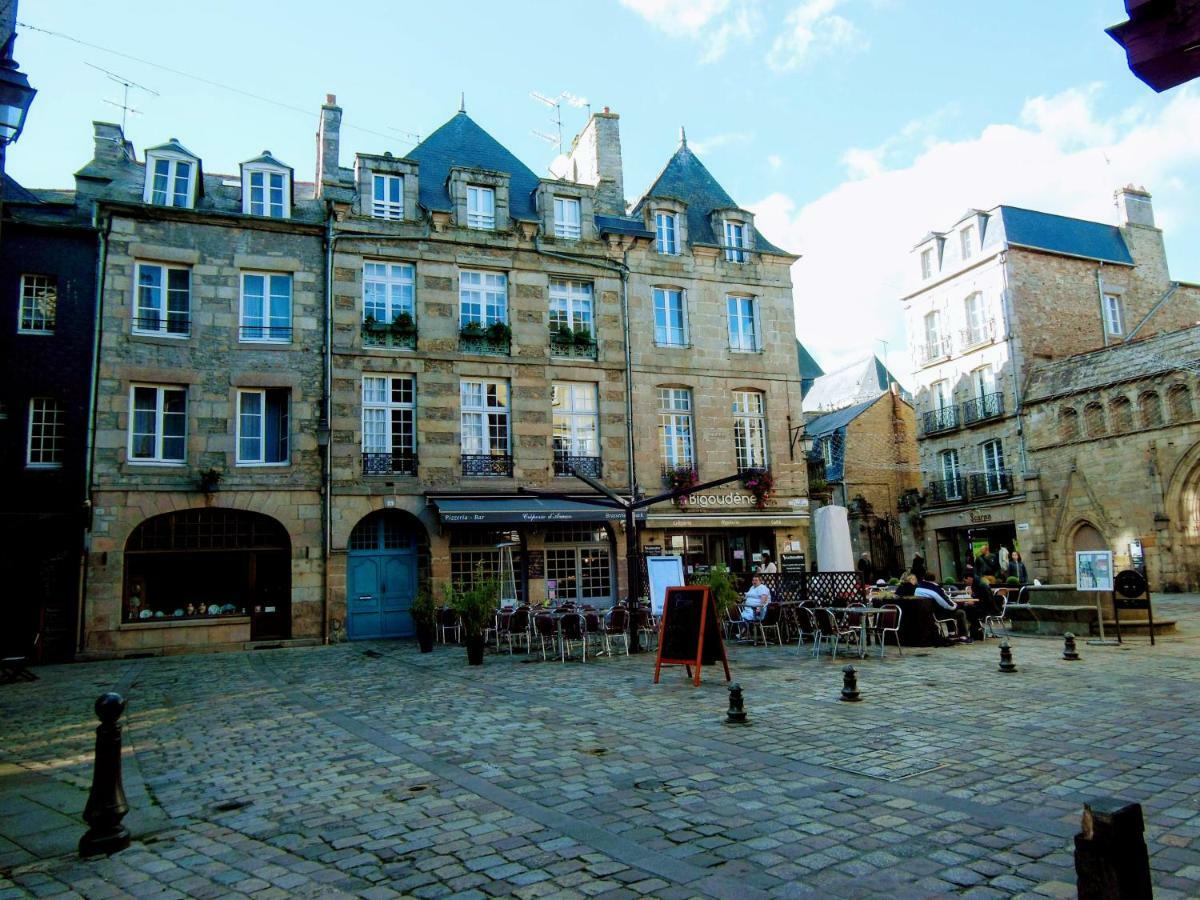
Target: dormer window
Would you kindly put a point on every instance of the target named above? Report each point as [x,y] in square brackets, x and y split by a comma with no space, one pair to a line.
[566,218]
[927,263]
[966,238]
[735,241]
[481,207]
[266,187]
[666,229]
[387,193]
[171,176]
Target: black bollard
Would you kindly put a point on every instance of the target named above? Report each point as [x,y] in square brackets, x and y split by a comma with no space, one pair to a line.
[737,712]
[1006,660]
[1111,859]
[1069,652]
[850,685]
[106,804]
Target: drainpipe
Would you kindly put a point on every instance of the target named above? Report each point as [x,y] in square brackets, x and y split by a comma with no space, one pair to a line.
[324,426]
[1018,406]
[89,459]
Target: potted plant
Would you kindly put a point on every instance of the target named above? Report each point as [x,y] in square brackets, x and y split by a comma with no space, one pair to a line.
[720,585]
[681,478]
[499,333]
[403,325]
[424,613]
[562,333]
[476,607]
[471,330]
[761,484]
[210,478]
[582,337]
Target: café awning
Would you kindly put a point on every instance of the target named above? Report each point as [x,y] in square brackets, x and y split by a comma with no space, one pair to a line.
[762,520]
[517,510]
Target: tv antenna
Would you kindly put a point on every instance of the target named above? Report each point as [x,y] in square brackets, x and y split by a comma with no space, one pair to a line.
[555,103]
[126,84]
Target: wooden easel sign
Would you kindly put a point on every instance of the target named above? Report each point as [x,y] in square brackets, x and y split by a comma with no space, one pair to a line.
[690,632]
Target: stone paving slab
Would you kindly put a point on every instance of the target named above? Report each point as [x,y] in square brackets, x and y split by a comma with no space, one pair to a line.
[328,771]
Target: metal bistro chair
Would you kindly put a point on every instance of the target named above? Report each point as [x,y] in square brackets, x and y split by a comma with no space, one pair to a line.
[571,628]
[447,621]
[545,625]
[499,624]
[833,631]
[517,629]
[772,616]
[646,626]
[806,626]
[593,630]
[888,622]
[616,625]
[733,622]
[997,620]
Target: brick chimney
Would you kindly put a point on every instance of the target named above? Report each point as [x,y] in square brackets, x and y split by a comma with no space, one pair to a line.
[1135,206]
[109,144]
[596,159]
[329,142]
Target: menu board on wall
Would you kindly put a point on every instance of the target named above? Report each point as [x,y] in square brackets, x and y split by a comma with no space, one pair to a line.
[535,561]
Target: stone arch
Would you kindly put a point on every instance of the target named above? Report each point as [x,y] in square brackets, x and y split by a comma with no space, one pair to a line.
[1068,423]
[1150,406]
[1183,511]
[1086,536]
[1093,419]
[1179,402]
[1121,414]
[390,526]
[387,565]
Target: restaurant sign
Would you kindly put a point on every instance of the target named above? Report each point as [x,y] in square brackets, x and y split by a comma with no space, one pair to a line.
[732,498]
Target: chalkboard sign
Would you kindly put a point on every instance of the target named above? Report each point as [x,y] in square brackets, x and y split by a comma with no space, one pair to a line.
[690,632]
[791,563]
[535,563]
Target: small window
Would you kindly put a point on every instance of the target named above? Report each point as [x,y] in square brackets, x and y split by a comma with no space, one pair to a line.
[977,324]
[482,298]
[966,238]
[1179,402]
[927,263]
[670,318]
[1114,319]
[163,301]
[934,346]
[576,423]
[750,430]
[39,304]
[266,315]
[744,332]
[675,428]
[827,453]
[735,242]
[566,218]
[169,182]
[481,207]
[262,431]
[666,227]
[1121,411]
[952,486]
[158,424]
[268,195]
[1093,419]
[993,467]
[47,422]
[1152,412]
[1068,423]
[387,196]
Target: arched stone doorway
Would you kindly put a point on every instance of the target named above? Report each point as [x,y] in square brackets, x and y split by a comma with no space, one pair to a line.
[1189,529]
[386,554]
[211,564]
[1087,537]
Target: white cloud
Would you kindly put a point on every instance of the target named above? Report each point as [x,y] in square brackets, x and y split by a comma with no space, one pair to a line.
[717,141]
[856,239]
[813,29]
[775,161]
[713,23]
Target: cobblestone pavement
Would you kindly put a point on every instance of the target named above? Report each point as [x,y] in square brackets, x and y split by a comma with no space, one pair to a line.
[376,771]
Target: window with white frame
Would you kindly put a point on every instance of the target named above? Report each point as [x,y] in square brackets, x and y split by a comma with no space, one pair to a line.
[983,382]
[481,207]
[670,318]
[482,298]
[666,229]
[951,483]
[576,420]
[387,196]
[388,291]
[827,452]
[157,424]
[735,241]
[940,394]
[750,429]
[39,304]
[571,306]
[170,181]
[744,332]
[933,335]
[1114,318]
[389,435]
[993,466]
[268,194]
[262,431]
[927,263]
[675,428]
[966,240]
[566,218]
[976,323]
[163,302]
[47,423]
[485,417]
[266,309]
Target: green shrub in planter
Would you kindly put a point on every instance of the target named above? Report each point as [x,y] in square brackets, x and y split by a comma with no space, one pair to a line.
[499,332]
[1012,581]
[893,581]
[720,585]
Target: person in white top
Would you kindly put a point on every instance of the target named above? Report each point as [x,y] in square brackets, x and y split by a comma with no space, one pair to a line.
[756,601]
[767,566]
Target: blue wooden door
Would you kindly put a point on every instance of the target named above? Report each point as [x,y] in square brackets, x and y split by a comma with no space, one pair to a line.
[381,582]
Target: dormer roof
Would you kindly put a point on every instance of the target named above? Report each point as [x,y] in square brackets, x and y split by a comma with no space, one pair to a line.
[266,159]
[173,146]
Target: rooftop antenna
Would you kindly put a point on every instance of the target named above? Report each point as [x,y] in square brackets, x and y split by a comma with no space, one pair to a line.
[126,84]
[556,105]
[462,102]
[886,365]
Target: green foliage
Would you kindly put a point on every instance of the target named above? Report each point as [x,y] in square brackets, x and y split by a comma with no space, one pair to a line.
[582,337]
[948,582]
[424,608]
[1012,580]
[563,334]
[403,324]
[893,581]
[499,332]
[720,585]
[472,329]
[476,605]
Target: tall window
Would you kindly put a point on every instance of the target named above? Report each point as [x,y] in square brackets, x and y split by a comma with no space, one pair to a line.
[39,304]
[983,381]
[933,335]
[744,331]
[387,290]
[951,483]
[389,440]
[1179,402]
[47,422]
[940,395]
[927,263]
[566,218]
[1068,423]
[1121,411]
[1093,419]
[827,452]
[263,426]
[582,571]
[993,466]
[571,306]
[576,425]
[966,239]
[268,194]
[481,207]
[735,242]
[170,182]
[675,427]
[670,318]
[387,196]
[164,300]
[1114,318]
[158,426]
[482,297]
[266,307]
[666,229]
[485,411]
[1152,412]
[976,323]
[750,430]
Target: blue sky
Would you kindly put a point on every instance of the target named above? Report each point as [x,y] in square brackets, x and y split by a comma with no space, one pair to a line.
[852,127]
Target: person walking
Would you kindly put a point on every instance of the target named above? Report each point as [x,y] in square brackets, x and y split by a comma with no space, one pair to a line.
[1016,567]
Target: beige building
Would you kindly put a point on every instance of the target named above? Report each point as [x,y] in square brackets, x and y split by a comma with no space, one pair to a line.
[997,296]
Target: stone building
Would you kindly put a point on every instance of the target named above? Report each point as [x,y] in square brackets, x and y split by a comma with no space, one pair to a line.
[999,294]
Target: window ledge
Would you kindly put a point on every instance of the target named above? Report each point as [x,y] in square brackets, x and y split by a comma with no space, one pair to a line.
[43,467]
[266,345]
[156,336]
[34,333]
[195,621]
[263,465]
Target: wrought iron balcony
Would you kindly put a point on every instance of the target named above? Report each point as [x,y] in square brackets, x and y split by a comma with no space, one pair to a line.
[482,343]
[988,406]
[399,463]
[991,484]
[278,334]
[982,334]
[572,348]
[387,336]
[171,325]
[949,490]
[567,464]
[944,418]
[487,465]
[931,351]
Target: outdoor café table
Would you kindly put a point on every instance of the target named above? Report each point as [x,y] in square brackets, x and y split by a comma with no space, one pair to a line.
[866,614]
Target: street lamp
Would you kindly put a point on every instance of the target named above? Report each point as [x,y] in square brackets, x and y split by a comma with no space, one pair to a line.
[15,98]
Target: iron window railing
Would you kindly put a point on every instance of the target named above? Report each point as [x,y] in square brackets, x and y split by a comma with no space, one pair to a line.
[567,464]
[942,419]
[570,348]
[981,334]
[172,324]
[991,484]
[987,406]
[487,465]
[482,343]
[932,350]
[948,490]
[386,336]
[277,333]
[398,463]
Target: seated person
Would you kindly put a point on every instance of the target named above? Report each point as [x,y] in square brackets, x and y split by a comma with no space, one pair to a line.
[756,601]
[988,605]
[934,592]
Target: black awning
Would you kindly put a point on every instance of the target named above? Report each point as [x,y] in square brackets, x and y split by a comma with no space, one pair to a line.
[534,510]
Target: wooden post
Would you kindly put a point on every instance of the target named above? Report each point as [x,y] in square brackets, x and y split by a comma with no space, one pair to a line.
[1111,859]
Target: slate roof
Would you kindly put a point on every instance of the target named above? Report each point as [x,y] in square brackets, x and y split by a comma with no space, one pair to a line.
[14,193]
[461,142]
[827,424]
[864,379]
[809,368]
[622,225]
[1060,234]
[685,178]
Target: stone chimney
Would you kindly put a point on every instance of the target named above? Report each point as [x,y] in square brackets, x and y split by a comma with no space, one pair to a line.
[1135,206]
[329,142]
[110,145]
[595,159]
